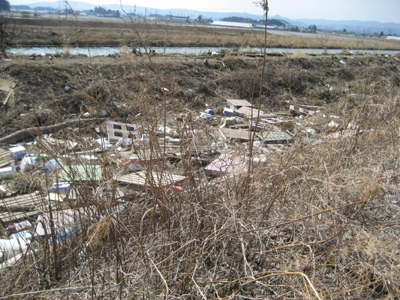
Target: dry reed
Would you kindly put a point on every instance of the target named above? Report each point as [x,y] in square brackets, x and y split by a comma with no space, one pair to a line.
[314,222]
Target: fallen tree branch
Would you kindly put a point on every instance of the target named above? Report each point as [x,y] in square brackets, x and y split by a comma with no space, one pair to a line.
[27,133]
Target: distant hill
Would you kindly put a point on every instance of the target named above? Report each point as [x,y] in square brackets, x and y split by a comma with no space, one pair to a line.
[349,25]
[193,14]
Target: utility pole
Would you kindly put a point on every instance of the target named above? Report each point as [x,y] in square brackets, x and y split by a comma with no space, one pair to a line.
[1,38]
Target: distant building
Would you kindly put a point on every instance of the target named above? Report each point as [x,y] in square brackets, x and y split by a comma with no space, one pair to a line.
[270,27]
[232,24]
[180,18]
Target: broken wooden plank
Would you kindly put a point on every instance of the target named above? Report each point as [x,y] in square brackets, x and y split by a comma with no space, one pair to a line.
[246,111]
[236,103]
[226,163]
[8,96]
[264,124]
[297,111]
[237,134]
[32,132]
[5,158]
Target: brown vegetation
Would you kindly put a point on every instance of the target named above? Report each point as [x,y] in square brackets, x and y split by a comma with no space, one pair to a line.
[53,32]
[317,221]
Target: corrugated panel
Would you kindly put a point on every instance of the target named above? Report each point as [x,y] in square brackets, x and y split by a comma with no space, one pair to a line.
[140,179]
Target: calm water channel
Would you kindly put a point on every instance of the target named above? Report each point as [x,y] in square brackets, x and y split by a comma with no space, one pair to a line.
[104,51]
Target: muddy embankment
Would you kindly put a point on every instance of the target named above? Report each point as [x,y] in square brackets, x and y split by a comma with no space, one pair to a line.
[54,89]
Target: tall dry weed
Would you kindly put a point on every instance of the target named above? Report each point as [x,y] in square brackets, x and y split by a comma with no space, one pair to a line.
[314,222]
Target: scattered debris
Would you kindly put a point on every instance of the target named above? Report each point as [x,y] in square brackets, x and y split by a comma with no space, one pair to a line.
[8,172]
[333,124]
[17,152]
[118,130]
[229,112]
[298,111]
[274,137]
[265,124]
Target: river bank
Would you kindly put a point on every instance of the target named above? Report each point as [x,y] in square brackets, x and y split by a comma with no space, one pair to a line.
[115,33]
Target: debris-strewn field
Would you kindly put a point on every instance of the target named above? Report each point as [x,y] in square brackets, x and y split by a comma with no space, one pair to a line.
[139,177]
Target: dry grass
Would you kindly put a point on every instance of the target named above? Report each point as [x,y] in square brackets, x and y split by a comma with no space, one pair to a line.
[96,33]
[305,225]
[314,222]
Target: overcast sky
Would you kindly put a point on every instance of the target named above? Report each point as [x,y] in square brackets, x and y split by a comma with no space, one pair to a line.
[363,10]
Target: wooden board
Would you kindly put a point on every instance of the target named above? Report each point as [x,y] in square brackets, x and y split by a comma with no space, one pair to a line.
[226,163]
[237,134]
[5,158]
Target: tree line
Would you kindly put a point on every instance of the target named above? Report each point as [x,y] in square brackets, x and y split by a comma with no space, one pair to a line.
[272,22]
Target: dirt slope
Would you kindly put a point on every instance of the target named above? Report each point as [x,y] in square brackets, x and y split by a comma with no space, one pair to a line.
[50,89]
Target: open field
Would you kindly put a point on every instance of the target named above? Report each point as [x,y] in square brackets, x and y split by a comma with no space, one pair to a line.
[318,219]
[117,32]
